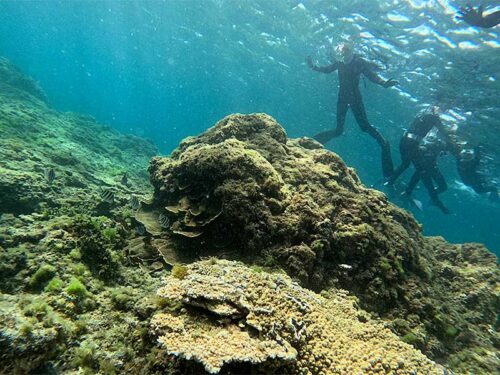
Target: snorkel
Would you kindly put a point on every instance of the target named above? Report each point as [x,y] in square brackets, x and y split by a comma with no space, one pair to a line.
[346,51]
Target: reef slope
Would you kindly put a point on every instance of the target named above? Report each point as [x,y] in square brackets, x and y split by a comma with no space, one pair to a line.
[81,287]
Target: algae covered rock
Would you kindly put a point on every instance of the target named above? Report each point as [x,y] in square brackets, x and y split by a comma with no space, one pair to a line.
[58,162]
[242,190]
[243,185]
[230,314]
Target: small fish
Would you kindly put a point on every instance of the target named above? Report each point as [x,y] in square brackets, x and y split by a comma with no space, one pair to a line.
[108,195]
[164,221]
[140,230]
[49,174]
[345,266]
[134,202]
[124,180]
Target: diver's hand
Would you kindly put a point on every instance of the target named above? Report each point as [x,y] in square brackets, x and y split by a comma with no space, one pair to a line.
[390,82]
[309,62]
[473,17]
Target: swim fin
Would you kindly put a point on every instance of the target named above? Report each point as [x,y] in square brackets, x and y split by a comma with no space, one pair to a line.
[324,137]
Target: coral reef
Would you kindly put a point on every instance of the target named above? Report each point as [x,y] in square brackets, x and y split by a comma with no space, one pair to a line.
[230,313]
[243,190]
[82,254]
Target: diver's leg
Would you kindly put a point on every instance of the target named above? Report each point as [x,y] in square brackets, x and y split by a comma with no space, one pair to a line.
[324,137]
[440,181]
[358,109]
[407,149]
[415,178]
[427,180]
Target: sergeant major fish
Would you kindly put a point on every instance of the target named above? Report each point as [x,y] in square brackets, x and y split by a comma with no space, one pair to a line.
[49,174]
[108,195]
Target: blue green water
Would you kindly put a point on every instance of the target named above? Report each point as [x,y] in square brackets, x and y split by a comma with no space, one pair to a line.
[169,69]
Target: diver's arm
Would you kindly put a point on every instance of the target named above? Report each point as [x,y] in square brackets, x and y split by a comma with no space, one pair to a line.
[375,78]
[323,69]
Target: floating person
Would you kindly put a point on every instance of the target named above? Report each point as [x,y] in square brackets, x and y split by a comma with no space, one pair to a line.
[426,120]
[475,17]
[469,169]
[350,69]
[427,171]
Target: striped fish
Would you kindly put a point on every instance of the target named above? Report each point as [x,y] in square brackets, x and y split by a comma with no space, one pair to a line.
[49,174]
[134,202]
[108,195]
[164,221]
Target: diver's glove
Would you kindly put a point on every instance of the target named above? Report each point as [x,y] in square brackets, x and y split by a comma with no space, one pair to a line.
[390,82]
[473,17]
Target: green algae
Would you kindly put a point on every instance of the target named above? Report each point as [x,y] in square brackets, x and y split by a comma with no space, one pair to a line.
[42,275]
[77,289]
[54,286]
[179,271]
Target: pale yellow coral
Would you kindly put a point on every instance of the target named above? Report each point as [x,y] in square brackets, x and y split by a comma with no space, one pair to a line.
[255,317]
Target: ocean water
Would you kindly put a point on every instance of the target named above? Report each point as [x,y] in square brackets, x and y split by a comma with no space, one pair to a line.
[165,70]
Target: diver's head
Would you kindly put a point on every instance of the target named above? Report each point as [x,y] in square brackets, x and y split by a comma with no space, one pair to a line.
[346,50]
[467,154]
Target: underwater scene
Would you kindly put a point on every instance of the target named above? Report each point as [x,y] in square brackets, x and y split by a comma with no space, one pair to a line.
[249,187]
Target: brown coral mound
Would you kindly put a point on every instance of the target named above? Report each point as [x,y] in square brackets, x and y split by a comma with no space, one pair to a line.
[242,187]
[233,314]
[302,206]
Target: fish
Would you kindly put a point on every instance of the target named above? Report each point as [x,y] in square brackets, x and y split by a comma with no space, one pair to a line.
[140,230]
[418,204]
[164,221]
[108,195]
[49,174]
[134,202]
[345,266]
[124,180]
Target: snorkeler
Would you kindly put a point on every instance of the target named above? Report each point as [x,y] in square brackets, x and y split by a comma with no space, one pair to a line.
[410,142]
[426,169]
[350,70]
[468,165]
[474,17]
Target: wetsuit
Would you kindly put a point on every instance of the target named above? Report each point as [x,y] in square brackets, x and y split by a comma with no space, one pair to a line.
[409,144]
[350,97]
[468,169]
[426,169]
[474,17]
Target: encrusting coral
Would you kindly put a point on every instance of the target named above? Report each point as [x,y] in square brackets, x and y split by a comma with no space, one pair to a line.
[230,313]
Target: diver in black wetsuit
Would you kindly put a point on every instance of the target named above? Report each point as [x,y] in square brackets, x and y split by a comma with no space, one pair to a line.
[350,70]
[474,17]
[409,144]
[426,169]
[468,165]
